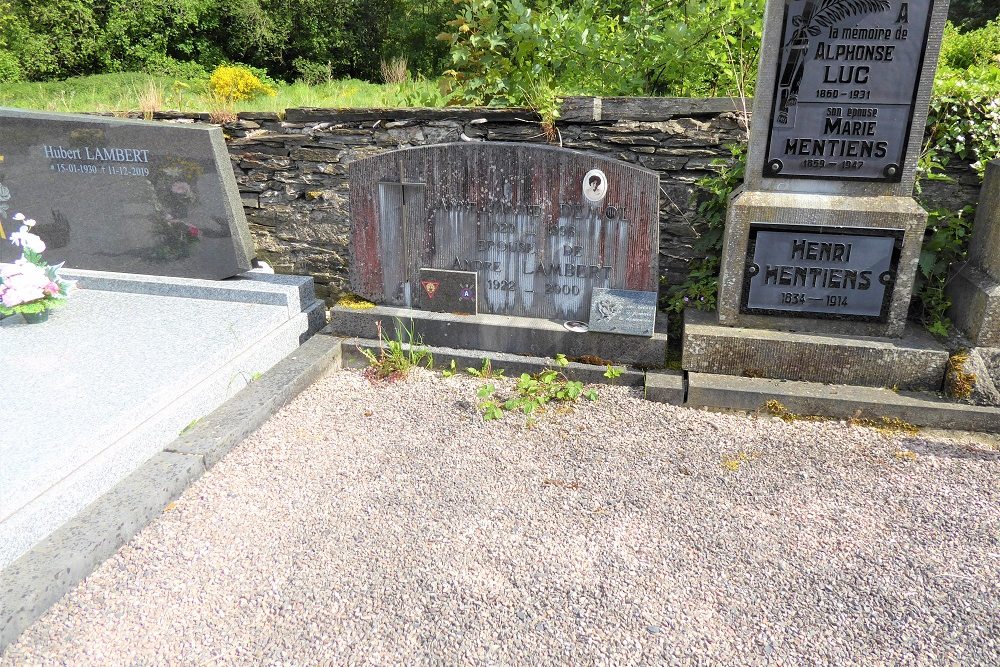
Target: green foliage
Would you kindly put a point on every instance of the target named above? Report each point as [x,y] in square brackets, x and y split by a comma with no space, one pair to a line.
[701,286]
[534,391]
[524,52]
[397,356]
[973,48]
[945,243]
[963,122]
[485,372]
[971,14]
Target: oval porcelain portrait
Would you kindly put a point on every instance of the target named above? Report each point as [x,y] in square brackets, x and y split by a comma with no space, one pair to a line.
[595,185]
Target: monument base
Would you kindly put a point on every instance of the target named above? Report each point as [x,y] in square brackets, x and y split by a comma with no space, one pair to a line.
[499,333]
[913,362]
[975,305]
[885,306]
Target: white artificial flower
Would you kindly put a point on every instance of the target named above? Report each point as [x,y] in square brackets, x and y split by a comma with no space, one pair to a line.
[26,239]
[19,216]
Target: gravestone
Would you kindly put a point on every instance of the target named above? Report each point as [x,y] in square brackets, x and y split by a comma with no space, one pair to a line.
[823,240]
[535,234]
[975,286]
[123,195]
[825,235]
[541,226]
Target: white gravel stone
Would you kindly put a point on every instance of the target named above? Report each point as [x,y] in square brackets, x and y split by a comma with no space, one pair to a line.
[389,524]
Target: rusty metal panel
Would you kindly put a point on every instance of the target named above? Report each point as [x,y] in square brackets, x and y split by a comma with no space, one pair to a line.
[542,226]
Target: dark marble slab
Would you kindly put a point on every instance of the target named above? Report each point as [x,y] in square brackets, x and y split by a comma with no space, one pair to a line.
[446,291]
[123,195]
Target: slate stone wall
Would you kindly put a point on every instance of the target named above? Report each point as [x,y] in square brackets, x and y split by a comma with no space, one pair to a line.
[292,170]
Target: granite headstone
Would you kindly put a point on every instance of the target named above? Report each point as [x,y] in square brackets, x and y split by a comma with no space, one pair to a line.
[541,226]
[123,195]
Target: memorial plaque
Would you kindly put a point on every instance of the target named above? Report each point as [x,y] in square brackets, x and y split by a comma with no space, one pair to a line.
[623,311]
[541,226]
[804,271]
[123,195]
[845,89]
[448,291]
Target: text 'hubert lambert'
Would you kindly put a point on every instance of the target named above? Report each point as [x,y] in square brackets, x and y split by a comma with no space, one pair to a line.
[97,153]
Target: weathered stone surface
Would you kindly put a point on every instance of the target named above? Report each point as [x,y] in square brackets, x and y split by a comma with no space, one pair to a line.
[968,379]
[522,217]
[915,361]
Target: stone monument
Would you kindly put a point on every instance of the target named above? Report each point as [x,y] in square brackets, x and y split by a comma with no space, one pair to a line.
[502,242]
[824,236]
[123,195]
[975,286]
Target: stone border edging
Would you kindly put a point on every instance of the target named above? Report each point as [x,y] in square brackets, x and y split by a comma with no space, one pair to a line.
[39,578]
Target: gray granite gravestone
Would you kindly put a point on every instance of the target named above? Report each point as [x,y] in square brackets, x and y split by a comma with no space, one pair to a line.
[838,118]
[541,226]
[123,195]
[975,287]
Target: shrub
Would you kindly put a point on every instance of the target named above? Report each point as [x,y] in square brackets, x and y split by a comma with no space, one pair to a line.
[237,83]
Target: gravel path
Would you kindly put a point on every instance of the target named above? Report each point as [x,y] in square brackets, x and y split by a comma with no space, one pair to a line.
[390,525]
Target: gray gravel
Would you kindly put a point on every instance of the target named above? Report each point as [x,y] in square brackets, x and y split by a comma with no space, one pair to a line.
[389,524]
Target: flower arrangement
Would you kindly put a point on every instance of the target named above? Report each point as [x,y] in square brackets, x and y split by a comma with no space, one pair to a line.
[30,286]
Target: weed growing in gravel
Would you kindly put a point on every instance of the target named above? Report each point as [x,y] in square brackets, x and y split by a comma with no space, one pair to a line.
[451,370]
[906,455]
[533,391]
[397,356]
[486,372]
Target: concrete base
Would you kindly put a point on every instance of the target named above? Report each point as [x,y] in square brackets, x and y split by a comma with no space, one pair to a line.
[497,333]
[914,362]
[975,305]
[818,211]
[840,401]
[127,364]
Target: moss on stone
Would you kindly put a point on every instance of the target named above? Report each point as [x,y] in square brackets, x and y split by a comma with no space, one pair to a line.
[958,382]
[354,302]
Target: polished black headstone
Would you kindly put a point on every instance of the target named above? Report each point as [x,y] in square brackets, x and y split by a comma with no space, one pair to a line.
[123,195]
[623,311]
[842,273]
[446,291]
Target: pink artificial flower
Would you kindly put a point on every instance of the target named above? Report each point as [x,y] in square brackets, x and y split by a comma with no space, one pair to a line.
[52,289]
[193,231]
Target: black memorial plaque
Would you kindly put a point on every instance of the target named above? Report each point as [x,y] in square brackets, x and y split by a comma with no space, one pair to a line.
[619,311]
[846,88]
[446,291]
[833,273]
[123,195]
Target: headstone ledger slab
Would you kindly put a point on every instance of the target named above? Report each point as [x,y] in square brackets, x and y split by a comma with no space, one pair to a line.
[541,226]
[123,195]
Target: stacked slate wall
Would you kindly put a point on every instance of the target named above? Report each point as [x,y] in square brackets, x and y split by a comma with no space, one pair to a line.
[292,169]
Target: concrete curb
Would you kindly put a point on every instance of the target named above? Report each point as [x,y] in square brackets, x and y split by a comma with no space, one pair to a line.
[841,401]
[39,578]
[512,364]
